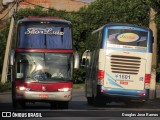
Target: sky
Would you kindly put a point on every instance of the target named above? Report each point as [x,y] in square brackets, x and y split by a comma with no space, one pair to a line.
[88,1]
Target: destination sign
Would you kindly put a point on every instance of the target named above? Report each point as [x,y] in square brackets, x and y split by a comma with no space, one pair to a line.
[48,31]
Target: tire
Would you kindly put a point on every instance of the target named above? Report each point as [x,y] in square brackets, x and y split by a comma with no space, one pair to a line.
[90,100]
[100,102]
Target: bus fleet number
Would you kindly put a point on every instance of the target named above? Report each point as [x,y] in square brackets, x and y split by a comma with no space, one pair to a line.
[123,76]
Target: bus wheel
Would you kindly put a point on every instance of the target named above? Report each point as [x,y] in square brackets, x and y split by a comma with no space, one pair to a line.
[100,102]
[90,100]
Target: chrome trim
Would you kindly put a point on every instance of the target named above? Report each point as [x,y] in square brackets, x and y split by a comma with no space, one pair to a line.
[32,95]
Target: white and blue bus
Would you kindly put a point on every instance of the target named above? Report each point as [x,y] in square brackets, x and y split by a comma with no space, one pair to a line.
[118,64]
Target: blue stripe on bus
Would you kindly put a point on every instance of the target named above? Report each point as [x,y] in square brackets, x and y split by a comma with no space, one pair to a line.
[104,36]
[149,43]
[127,27]
[126,92]
[112,81]
[125,49]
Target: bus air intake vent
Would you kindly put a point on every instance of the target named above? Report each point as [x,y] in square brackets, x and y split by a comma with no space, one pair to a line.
[125,64]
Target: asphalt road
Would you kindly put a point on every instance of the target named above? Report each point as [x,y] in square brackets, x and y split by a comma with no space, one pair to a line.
[78,107]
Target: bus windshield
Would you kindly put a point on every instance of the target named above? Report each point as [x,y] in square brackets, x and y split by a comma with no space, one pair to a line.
[44,66]
[127,37]
[50,36]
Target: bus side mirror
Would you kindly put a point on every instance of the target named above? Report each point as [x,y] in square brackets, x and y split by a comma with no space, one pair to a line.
[76,60]
[85,58]
[12,57]
[83,63]
[152,39]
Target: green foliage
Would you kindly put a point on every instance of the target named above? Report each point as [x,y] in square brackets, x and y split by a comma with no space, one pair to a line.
[3,41]
[78,86]
[5,87]
[102,12]
[79,75]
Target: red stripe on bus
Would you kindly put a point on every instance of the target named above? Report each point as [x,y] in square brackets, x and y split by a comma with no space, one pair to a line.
[41,18]
[37,86]
[44,50]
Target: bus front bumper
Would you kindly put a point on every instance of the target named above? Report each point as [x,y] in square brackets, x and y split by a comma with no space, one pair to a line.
[43,96]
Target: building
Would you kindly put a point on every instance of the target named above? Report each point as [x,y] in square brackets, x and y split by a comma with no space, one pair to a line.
[68,5]
[88,1]
[7,7]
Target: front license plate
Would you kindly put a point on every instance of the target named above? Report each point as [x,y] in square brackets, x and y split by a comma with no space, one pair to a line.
[43,96]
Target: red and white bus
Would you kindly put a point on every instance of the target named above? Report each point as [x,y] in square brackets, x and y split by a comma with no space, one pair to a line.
[43,47]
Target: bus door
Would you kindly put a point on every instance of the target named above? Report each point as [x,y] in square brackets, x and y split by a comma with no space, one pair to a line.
[124,71]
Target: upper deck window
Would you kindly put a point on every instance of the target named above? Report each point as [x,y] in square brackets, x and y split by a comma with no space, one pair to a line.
[49,36]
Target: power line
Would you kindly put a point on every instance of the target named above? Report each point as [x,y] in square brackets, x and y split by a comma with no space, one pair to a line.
[7,12]
[13,14]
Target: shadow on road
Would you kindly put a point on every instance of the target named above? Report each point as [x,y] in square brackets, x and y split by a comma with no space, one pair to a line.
[82,105]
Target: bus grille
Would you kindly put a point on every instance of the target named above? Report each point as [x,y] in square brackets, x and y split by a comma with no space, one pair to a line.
[125,64]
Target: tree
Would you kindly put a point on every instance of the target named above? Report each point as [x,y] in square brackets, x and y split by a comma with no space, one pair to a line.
[102,12]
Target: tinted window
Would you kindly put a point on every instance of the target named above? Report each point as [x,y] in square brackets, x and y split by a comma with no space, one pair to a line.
[44,36]
[44,66]
[127,37]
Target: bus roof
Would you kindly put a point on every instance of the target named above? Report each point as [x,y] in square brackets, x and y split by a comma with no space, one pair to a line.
[124,24]
[119,24]
[34,19]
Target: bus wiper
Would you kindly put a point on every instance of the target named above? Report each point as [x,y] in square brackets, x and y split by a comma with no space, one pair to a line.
[35,79]
[58,79]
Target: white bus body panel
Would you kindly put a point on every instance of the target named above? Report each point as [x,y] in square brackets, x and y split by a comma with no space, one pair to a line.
[124,73]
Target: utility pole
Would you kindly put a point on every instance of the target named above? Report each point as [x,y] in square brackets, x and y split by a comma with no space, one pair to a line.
[8,46]
[153,27]
[7,53]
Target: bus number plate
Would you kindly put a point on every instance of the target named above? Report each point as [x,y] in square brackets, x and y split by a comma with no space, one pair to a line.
[124,82]
[43,95]
[123,76]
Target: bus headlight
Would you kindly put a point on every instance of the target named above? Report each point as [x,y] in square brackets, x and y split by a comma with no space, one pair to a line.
[22,88]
